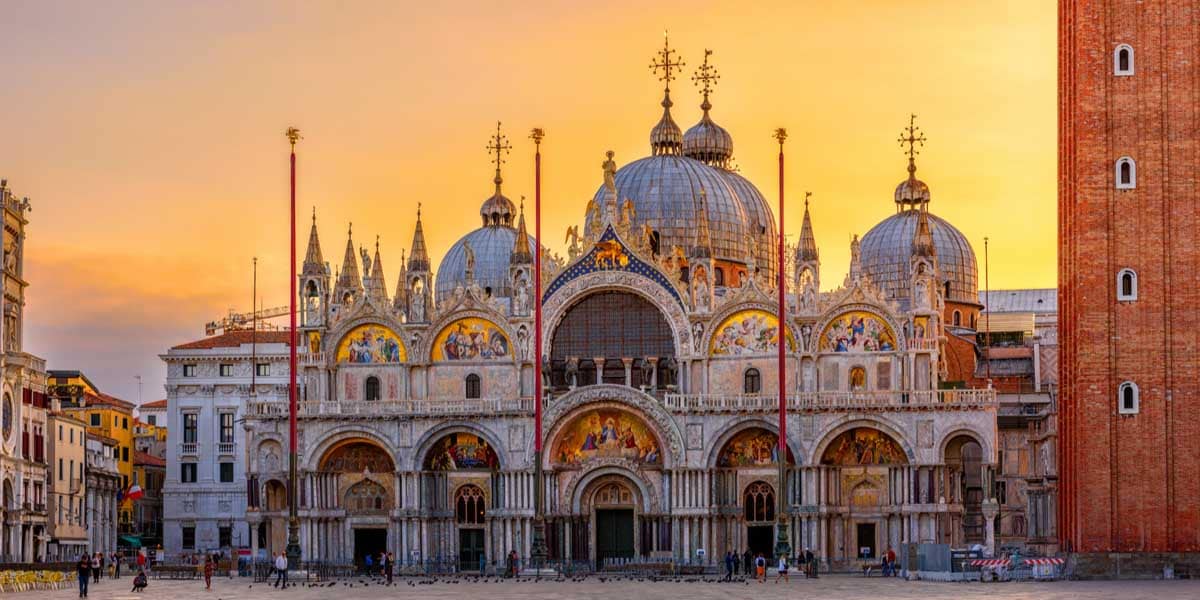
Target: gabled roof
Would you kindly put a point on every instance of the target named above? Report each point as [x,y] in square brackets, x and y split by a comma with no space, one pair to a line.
[234,339]
[106,400]
[157,404]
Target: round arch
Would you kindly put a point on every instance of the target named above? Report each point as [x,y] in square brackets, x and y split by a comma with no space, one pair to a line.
[563,410]
[426,442]
[713,326]
[344,433]
[336,334]
[582,484]
[841,310]
[563,299]
[964,431]
[348,455]
[831,433]
[474,315]
[732,430]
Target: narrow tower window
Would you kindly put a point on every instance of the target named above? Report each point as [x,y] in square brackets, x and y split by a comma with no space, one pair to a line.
[752,381]
[957,319]
[1127,289]
[1126,173]
[1123,60]
[372,391]
[473,386]
[1128,398]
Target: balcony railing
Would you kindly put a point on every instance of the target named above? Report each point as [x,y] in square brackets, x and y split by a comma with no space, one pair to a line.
[188,449]
[421,407]
[912,399]
[225,448]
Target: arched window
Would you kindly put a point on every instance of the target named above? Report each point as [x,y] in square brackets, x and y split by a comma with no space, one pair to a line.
[1126,173]
[473,390]
[718,276]
[973,324]
[752,381]
[469,505]
[946,291]
[957,318]
[1123,60]
[758,503]
[1128,398]
[366,497]
[371,392]
[1127,285]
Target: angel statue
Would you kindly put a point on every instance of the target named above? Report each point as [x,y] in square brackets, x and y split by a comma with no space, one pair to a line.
[572,242]
[610,172]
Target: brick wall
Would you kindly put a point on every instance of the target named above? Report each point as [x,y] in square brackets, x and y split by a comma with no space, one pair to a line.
[1130,483]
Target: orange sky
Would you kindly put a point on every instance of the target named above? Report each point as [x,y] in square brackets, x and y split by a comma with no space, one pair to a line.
[149,136]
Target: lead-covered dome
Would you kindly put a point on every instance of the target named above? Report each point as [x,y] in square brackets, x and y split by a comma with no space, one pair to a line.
[665,191]
[887,248]
[708,142]
[493,248]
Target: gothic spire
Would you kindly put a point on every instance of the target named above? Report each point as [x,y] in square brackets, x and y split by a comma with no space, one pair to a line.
[520,252]
[703,248]
[348,281]
[376,287]
[418,258]
[807,250]
[314,262]
[400,300]
[922,242]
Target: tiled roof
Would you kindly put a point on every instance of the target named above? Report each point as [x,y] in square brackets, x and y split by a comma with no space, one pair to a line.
[153,405]
[105,399]
[234,339]
[141,458]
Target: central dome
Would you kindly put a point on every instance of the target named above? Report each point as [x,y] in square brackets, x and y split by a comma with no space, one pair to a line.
[887,247]
[665,191]
[493,247]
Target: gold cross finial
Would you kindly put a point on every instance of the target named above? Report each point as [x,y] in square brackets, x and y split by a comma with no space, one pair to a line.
[915,137]
[377,243]
[665,62]
[293,135]
[418,211]
[706,76]
[498,145]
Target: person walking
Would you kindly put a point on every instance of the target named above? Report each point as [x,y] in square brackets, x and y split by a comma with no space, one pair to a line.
[281,567]
[103,559]
[747,563]
[83,570]
[810,565]
[782,569]
[729,562]
[760,568]
[389,564]
[95,561]
[141,559]
[891,559]
[209,567]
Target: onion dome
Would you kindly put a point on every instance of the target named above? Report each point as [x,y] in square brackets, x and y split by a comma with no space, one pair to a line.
[666,138]
[912,192]
[706,141]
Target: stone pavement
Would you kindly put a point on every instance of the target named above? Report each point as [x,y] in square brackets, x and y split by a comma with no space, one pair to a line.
[827,587]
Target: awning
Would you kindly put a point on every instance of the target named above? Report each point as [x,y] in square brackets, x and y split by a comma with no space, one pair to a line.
[1037,562]
[132,540]
[990,562]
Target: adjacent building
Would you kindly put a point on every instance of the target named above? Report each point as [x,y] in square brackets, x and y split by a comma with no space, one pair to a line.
[24,410]
[1129,198]
[67,497]
[103,488]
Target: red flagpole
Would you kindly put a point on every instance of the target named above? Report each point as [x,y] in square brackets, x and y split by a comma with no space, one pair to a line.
[782,542]
[538,550]
[293,544]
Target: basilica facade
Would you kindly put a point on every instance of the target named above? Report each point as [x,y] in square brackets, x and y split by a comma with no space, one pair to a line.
[660,333]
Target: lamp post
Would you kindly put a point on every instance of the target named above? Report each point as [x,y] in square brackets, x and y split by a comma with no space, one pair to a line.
[293,543]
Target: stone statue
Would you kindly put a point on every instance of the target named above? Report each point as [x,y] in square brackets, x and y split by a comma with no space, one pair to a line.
[697,334]
[572,371]
[647,369]
[418,305]
[470,258]
[572,240]
[521,297]
[546,372]
[366,262]
[672,368]
[701,291]
[855,258]
[610,172]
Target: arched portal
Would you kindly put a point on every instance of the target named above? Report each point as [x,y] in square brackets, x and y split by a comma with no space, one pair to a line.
[612,503]
[863,465]
[611,325]
[357,475]
[470,510]
[965,485]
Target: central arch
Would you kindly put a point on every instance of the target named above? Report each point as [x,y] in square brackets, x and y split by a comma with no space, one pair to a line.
[610,325]
[566,407]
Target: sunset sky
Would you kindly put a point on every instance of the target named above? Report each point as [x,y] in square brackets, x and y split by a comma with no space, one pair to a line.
[149,135]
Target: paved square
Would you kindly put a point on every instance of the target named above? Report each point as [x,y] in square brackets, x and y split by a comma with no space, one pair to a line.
[830,587]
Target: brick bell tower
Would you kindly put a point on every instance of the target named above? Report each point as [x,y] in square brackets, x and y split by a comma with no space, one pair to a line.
[1129,294]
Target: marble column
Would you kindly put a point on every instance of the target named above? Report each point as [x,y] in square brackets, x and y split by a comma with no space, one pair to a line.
[628,364]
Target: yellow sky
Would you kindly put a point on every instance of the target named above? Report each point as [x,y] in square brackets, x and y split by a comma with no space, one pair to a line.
[150,136]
